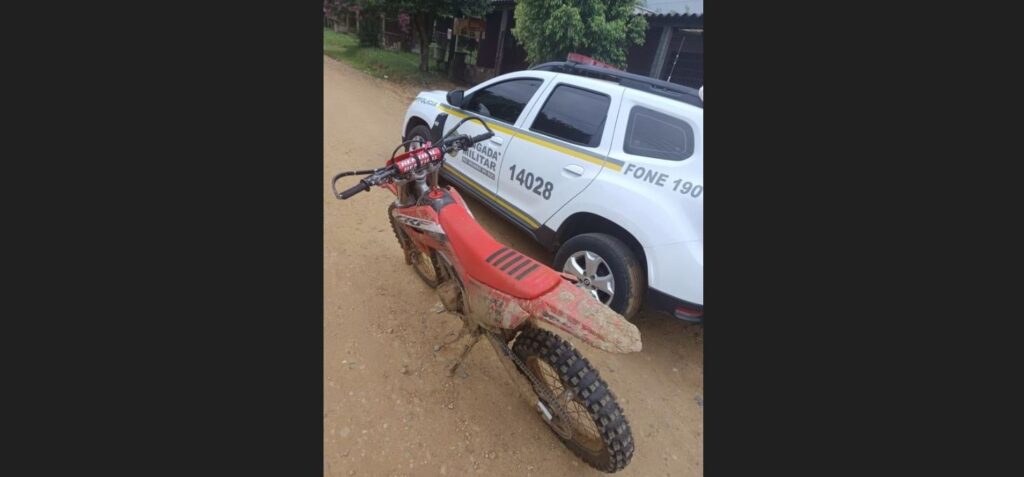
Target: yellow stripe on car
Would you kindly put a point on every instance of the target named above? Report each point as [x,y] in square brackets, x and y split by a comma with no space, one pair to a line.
[497,200]
[564,150]
[540,142]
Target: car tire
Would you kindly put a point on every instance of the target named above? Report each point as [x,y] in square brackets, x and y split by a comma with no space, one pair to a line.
[419,131]
[609,257]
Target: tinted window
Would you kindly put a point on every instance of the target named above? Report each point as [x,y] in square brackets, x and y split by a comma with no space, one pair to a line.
[503,101]
[573,114]
[653,134]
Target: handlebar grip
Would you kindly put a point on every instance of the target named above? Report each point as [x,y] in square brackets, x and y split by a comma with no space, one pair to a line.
[351,191]
[483,137]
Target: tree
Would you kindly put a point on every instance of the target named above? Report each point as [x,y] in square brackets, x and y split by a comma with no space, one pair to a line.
[422,14]
[602,29]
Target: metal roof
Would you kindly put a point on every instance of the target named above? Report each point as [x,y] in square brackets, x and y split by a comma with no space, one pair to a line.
[671,8]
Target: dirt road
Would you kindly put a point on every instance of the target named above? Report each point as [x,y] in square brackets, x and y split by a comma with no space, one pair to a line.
[389,407]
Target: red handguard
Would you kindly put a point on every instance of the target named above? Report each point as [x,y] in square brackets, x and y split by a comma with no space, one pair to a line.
[416,158]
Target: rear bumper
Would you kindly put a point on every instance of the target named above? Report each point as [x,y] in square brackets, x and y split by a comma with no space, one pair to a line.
[662,302]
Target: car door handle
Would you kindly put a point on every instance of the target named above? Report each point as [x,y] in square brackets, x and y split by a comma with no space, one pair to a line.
[497,140]
[573,169]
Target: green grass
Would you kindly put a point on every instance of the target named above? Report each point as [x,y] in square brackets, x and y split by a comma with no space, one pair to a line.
[392,65]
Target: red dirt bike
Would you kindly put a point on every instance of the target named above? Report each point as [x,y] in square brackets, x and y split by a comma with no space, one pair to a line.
[514,301]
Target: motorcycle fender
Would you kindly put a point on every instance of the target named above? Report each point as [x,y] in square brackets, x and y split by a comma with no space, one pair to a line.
[494,308]
[574,311]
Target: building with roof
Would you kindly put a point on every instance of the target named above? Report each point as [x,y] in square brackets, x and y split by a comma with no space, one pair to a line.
[499,52]
[674,47]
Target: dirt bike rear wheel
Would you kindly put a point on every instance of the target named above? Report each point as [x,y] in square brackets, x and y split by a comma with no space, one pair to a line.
[600,435]
[424,264]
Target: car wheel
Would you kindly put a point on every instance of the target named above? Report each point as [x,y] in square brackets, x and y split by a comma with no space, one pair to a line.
[420,134]
[607,268]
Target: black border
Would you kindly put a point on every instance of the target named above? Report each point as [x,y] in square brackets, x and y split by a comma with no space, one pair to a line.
[829,289]
[175,253]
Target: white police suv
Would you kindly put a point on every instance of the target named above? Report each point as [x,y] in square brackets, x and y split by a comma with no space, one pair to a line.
[602,166]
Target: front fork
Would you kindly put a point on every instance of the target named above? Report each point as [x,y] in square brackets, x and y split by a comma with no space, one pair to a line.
[420,183]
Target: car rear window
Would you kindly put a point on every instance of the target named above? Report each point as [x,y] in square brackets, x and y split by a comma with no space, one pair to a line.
[658,135]
[573,114]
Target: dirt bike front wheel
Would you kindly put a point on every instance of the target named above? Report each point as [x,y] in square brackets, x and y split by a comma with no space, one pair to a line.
[598,431]
[424,264]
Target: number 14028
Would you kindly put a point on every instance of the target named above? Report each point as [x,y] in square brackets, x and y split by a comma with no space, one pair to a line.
[533,183]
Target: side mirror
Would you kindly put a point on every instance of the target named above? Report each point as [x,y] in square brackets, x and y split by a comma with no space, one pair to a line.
[437,130]
[455,97]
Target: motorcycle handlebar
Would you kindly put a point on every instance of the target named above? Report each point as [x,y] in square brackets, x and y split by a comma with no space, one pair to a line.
[351,191]
[435,155]
[483,137]
[363,185]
